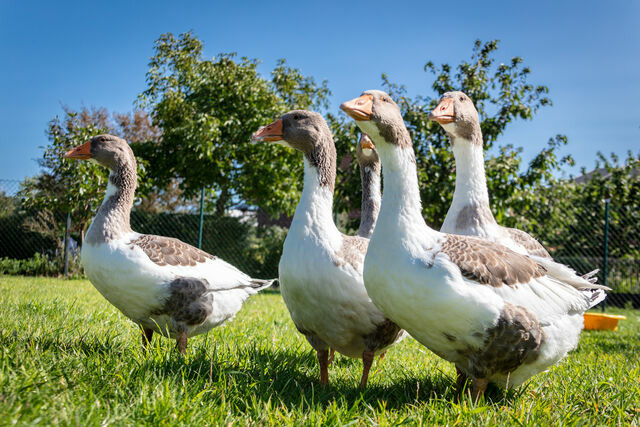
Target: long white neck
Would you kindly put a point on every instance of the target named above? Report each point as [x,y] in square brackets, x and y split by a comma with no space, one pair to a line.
[401,210]
[470,212]
[471,180]
[314,212]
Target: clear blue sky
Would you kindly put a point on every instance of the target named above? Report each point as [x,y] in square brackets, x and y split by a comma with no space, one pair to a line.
[96,54]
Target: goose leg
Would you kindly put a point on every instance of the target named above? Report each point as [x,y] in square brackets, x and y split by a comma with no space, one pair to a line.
[461,379]
[381,356]
[331,356]
[323,360]
[367,360]
[147,334]
[479,387]
[182,342]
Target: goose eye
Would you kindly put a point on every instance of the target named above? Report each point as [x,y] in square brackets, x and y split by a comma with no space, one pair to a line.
[462,98]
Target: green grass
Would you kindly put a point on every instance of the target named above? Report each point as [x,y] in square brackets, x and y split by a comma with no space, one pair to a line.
[69,357]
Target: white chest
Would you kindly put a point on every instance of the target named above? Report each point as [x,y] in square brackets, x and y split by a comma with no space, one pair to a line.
[125,277]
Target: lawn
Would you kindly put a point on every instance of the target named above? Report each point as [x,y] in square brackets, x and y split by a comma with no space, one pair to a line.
[69,357]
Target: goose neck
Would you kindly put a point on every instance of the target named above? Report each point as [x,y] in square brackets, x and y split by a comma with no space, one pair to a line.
[401,203]
[315,209]
[471,180]
[370,206]
[112,219]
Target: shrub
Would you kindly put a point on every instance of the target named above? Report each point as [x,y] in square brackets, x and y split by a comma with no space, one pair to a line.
[39,265]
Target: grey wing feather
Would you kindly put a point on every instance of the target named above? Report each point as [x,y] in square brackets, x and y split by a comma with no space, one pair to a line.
[169,251]
[532,246]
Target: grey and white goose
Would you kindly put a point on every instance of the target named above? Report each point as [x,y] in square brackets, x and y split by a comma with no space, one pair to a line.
[496,314]
[470,213]
[369,163]
[321,268]
[162,284]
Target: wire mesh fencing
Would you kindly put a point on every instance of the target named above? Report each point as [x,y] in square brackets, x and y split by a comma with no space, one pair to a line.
[604,236]
[33,242]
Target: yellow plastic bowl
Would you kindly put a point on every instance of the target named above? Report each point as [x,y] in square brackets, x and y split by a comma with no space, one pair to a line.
[602,321]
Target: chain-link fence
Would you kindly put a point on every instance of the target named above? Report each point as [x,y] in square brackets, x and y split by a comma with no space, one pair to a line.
[604,237]
[32,242]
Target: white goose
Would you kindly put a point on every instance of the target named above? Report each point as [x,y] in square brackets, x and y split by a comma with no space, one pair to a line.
[321,268]
[470,213]
[160,283]
[369,164]
[494,313]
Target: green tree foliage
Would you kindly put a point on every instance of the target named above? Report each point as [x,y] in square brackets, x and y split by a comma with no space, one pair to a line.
[66,186]
[207,110]
[581,206]
[502,94]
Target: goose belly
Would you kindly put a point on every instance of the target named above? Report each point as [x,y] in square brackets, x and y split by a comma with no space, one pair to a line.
[125,279]
[423,297]
[328,301]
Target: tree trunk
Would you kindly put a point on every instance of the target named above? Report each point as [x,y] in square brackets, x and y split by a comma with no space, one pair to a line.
[221,202]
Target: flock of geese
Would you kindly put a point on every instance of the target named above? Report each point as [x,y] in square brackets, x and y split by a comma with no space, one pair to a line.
[489,299]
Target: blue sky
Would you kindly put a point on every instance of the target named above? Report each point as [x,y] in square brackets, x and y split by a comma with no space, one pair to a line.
[96,54]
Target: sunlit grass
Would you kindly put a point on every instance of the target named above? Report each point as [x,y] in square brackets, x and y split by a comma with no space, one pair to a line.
[69,357]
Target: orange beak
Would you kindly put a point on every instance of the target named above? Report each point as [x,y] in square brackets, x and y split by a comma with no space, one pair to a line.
[80,152]
[366,142]
[444,112]
[272,132]
[359,108]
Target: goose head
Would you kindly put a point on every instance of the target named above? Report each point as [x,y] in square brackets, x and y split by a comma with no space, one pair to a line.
[308,132]
[379,117]
[458,116]
[366,152]
[108,150]
[299,129]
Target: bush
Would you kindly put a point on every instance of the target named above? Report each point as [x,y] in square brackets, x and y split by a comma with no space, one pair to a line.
[39,265]
[18,241]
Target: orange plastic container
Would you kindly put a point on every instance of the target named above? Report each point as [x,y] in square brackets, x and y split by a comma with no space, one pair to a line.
[601,321]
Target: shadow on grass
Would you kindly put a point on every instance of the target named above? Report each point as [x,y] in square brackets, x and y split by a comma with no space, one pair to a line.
[290,379]
[86,345]
[283,376]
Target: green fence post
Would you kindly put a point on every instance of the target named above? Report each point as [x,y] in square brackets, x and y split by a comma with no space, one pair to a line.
[67,230]
[201,218]
[606,247]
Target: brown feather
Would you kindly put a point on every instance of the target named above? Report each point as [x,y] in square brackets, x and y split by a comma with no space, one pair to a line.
[532,246]
[167,250]
[490,263]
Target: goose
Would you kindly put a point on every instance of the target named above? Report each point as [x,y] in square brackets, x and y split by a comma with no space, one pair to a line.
[369,163]
[162,284]
[320,272]
[470,213]
[496,314]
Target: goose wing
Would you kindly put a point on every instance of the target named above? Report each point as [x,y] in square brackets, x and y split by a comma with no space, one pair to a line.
[185,260]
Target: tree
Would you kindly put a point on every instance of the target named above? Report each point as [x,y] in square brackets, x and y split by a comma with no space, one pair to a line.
[501,94]
[66,186]
[583,207]
[207,110]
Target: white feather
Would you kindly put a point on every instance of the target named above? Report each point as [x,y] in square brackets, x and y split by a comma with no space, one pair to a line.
[324,297]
